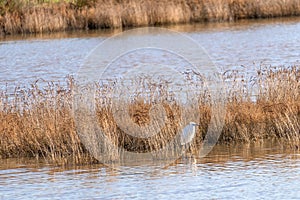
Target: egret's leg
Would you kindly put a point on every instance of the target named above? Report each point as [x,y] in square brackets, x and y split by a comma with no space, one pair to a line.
[183,150]
[189,150]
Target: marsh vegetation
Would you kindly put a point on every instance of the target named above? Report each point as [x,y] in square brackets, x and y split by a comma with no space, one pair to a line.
[38,121]
[40,16]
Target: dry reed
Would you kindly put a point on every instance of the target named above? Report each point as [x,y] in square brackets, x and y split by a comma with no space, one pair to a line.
[38,122]
[32,16]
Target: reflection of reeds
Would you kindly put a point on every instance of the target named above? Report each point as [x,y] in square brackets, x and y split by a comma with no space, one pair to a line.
[20,16]
[37,122]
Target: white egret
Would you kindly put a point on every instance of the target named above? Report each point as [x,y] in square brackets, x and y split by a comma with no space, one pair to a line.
[188,133]
[186,137]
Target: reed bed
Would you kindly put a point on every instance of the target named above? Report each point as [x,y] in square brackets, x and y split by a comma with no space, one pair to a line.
[38,121]
[40,16]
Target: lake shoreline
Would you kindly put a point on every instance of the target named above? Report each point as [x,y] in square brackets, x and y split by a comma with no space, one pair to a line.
[22,18]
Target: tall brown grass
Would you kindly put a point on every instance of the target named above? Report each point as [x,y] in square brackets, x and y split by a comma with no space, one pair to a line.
[38,122]
[33,16]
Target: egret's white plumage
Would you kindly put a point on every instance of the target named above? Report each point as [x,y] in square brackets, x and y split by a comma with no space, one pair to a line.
[188,133]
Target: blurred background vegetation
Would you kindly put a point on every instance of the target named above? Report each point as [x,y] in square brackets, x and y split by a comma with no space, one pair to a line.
[15,5]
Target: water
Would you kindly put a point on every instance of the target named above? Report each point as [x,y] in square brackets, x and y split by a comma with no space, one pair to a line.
[257,171]
[247,43]
[260,171]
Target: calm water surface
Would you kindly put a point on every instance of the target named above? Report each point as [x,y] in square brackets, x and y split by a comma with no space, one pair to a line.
[257,171]
[247,43]
[261,171]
